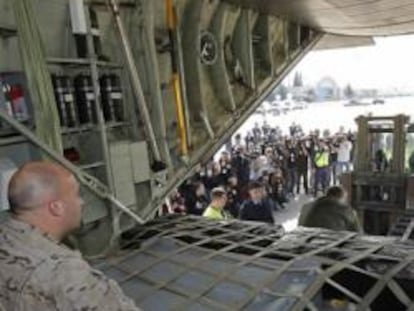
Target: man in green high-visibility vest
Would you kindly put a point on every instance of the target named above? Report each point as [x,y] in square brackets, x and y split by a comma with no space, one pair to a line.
[322,167]
[216,208]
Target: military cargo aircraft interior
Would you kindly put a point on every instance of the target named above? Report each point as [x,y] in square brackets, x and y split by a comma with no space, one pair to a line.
[139,137]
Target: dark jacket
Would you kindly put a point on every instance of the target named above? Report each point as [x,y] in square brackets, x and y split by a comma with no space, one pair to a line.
[330,214]
[292,158]
[257,212]
[241,168]
[302,161]
[196,205]
[233,201]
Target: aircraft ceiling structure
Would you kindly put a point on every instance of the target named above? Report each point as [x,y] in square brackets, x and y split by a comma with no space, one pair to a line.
[343,17]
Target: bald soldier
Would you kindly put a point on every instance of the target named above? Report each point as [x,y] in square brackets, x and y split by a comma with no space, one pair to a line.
[37,273]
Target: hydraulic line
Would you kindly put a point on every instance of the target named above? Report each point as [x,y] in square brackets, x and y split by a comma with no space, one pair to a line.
[176,82]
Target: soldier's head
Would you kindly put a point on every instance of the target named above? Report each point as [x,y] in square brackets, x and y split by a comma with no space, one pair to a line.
[46,196]
[337,193]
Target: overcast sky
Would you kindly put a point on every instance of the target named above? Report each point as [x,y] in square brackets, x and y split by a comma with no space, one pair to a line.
[387,64]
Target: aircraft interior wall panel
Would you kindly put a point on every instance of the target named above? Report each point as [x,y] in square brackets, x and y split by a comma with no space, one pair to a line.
[9,53]
[122,171]
[54,25]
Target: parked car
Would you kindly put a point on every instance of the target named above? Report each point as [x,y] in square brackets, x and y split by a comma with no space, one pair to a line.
[299,106]
[275,104]
[355,102]
[378,101]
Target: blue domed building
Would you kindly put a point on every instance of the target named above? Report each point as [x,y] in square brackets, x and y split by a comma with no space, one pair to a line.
[327,89]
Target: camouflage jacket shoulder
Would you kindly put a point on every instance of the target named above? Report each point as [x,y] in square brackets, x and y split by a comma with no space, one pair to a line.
[37,273]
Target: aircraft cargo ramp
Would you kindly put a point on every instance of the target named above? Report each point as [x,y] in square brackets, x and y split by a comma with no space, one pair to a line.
[190,263]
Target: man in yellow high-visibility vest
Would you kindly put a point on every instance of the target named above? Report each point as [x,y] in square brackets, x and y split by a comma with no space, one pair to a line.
[322,168]
[216,208]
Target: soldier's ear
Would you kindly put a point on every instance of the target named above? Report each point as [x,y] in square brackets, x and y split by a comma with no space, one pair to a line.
[56,208]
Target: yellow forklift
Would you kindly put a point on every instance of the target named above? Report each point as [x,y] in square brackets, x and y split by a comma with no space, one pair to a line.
[381,187]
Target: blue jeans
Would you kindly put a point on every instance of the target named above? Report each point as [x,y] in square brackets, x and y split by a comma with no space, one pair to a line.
[292,179]
[342,167]
[321,178]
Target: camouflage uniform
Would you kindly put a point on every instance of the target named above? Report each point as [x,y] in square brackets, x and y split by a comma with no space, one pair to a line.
[329,214]
[38,274]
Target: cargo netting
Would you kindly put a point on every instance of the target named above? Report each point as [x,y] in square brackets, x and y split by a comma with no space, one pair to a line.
[191,263]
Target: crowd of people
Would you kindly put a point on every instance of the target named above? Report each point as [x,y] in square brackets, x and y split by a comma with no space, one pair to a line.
[260,172]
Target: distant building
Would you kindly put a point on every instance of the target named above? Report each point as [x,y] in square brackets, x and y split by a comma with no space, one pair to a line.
[303,93]
[367,93]
[327,89]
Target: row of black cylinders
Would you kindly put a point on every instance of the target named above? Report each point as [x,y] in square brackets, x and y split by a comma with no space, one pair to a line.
[75,99]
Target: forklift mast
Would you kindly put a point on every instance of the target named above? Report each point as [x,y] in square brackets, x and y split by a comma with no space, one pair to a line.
[379,185]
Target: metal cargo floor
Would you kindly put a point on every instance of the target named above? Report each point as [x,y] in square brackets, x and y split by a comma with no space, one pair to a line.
[190,263]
